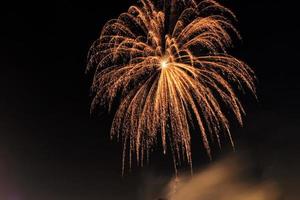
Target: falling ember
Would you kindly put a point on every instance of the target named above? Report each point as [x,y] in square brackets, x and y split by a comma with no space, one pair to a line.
[170,71]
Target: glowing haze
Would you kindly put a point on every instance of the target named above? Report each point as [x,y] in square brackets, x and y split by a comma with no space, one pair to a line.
[225,180]
[165,64]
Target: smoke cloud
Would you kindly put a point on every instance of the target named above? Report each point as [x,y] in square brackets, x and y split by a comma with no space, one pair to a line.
[229,179]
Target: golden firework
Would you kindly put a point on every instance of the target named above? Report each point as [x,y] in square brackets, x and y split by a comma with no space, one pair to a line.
[166,65]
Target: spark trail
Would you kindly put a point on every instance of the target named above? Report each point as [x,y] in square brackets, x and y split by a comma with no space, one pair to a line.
[169,79]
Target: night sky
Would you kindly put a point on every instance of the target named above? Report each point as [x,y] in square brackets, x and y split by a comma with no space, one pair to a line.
[52,148]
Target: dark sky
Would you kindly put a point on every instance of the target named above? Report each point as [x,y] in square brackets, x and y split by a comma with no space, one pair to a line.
[51,148]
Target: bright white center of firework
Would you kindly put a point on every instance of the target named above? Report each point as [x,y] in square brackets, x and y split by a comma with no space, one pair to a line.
[164,63]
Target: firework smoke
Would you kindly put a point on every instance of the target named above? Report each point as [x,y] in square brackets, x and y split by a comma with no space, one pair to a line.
[226,180]
[166,65]
[223,181]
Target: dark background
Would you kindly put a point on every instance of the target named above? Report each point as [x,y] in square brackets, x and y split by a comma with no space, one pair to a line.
[51,148]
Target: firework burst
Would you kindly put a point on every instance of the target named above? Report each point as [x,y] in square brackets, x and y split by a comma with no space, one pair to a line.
[166,65]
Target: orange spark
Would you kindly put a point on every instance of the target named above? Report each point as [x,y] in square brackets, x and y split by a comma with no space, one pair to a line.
[168,78]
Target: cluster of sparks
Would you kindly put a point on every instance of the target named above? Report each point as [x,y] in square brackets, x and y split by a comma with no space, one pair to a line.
[165,63]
